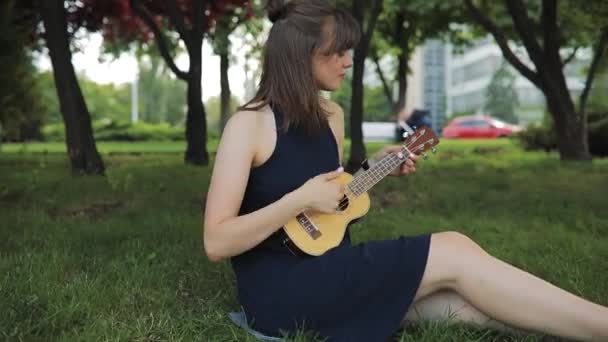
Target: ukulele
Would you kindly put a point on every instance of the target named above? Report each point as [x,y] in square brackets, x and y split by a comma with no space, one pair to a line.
[314,232]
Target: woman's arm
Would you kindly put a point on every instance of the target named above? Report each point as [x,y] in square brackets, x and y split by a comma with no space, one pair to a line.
[225,233]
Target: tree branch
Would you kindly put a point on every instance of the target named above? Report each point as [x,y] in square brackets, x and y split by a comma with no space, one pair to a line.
[597,57]
[502,42]
[385,86]
[571,57]
[525,28]
[375,12]
[177,18]
[158,37]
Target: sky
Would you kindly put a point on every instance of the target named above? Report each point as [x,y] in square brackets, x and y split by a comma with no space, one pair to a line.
[124,69]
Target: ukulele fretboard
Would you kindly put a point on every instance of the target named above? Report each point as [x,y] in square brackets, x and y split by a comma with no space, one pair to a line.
[374,174]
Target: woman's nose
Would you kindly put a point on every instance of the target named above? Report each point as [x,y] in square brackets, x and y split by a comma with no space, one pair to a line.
[348,60]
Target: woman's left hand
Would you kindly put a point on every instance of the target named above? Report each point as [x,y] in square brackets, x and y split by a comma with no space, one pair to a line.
[408,167]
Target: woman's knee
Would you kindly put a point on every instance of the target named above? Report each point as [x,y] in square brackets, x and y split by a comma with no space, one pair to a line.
[450,255]
[455,243]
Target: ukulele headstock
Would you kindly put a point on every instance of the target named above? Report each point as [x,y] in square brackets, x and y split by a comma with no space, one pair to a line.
[422,140]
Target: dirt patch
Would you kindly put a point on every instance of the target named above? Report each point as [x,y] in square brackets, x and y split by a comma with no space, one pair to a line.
[10,196]
[93,211]
[391,198]
[118,153]
[448,155]
[488,150]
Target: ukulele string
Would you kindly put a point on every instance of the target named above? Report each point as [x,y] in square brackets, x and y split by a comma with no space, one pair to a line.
[344,201]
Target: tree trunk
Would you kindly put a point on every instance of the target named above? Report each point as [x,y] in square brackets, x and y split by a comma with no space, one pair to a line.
[80,142]
[386,87]
[225,93]
[402,79]
[196,123]
[570,125]
[401,39]
[357,146]
[595,63]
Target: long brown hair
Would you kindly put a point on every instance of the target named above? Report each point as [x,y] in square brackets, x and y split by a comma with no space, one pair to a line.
[301,28]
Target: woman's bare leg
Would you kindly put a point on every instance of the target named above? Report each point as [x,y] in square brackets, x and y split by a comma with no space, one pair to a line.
[447,305]
[508,294]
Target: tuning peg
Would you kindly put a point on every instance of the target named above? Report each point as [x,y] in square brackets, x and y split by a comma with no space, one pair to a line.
[434,149]
[405,135]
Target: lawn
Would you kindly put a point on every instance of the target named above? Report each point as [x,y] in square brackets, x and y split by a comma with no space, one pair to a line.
[120,257]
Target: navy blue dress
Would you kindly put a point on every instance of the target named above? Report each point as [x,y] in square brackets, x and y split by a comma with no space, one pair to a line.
[350,293]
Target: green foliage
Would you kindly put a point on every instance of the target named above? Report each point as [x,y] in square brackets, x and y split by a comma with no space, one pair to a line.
[109,130]
[404,25]
[463,113]
[537,137]
[120,257]
[580,22]
[21,111]
[162,98]
[105,101]
[375,104]
[543,137]
[161,95]
[48,96]
[598,97]
[213,111]
[422,20]
[501,97]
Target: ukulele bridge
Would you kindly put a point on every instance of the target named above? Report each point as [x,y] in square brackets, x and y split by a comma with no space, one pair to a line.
[308,226]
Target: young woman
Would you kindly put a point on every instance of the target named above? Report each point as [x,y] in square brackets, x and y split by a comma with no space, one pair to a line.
[279,155]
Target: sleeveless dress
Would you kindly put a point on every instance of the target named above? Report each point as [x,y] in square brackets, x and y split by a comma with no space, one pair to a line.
[350,293]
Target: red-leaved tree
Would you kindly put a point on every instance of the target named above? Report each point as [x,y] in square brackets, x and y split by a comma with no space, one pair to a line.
[167,23]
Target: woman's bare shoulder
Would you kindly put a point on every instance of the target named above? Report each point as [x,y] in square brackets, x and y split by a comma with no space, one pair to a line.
[250,119]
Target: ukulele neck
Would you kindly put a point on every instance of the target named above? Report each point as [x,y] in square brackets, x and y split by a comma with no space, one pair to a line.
[367,179]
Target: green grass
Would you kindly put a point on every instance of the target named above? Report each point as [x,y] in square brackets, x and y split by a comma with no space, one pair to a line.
[119,257]
[103,147]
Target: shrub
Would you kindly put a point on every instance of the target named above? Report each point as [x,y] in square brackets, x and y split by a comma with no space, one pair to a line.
[543,137]
[598,134]
[537,137]
[111,130]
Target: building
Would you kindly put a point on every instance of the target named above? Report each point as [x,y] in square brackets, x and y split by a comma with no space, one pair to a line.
[434,75]
[470,72]
[427,82]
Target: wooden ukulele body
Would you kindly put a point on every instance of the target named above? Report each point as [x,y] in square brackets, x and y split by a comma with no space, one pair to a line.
[316,232]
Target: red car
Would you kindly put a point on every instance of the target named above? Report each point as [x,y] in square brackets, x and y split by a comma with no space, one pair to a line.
[479,127]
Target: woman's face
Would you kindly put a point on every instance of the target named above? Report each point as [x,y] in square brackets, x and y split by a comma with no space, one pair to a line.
[329,71]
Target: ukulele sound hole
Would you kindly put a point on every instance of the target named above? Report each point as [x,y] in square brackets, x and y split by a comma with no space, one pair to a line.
[343,203]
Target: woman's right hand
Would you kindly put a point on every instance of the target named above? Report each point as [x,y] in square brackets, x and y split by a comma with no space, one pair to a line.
[322,193]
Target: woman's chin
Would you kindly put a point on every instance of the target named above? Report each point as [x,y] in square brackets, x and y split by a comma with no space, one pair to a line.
[333,87]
